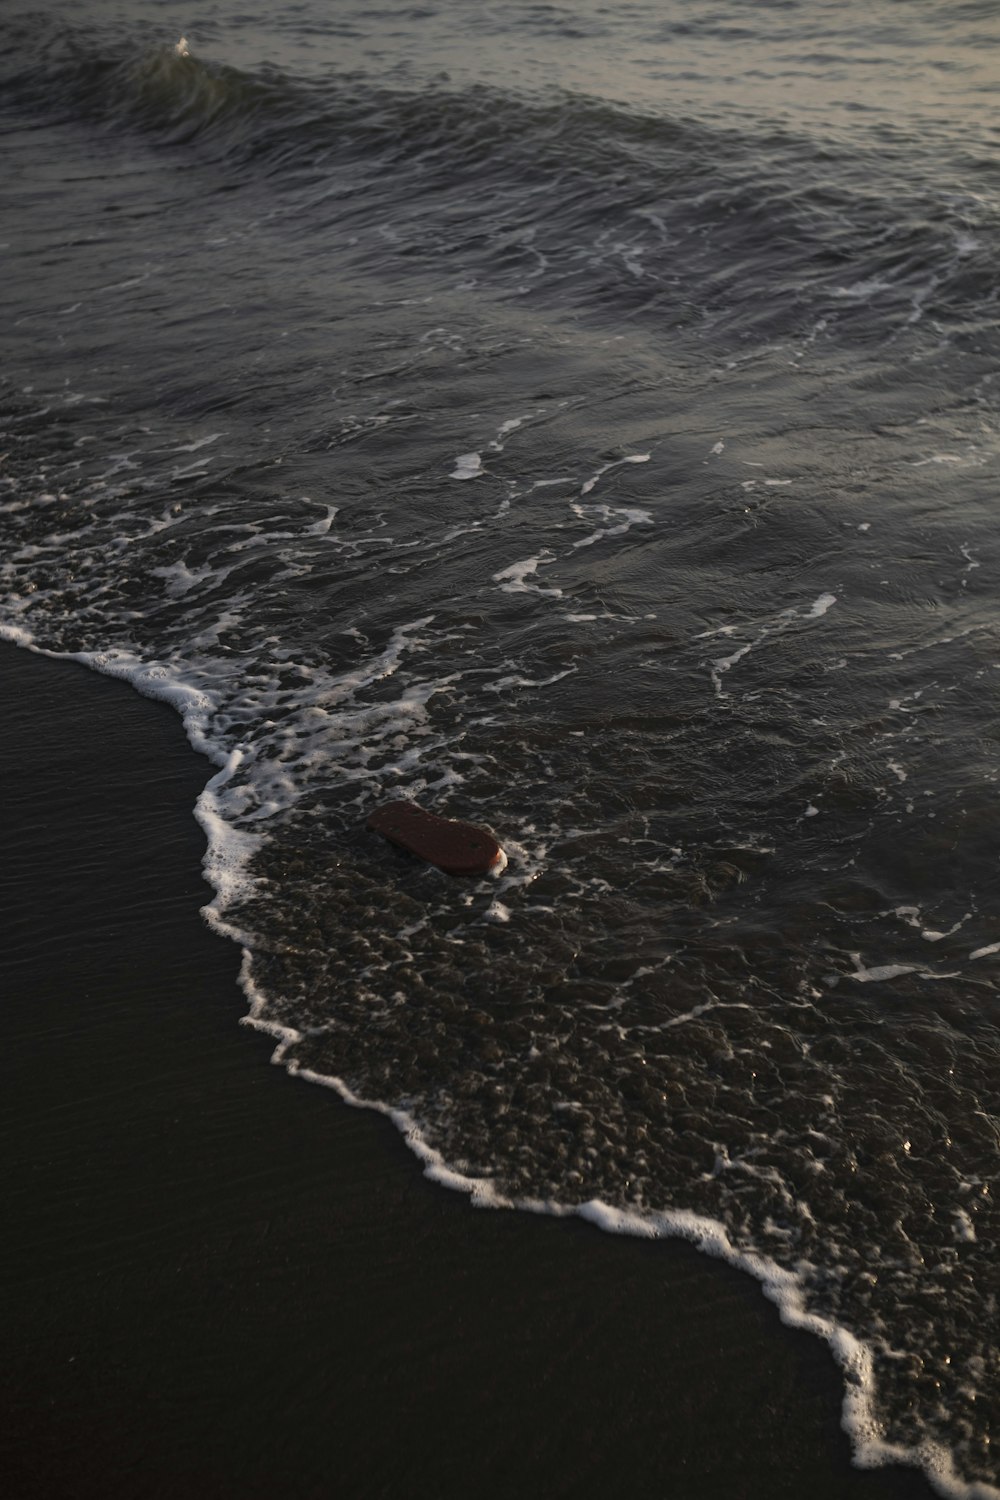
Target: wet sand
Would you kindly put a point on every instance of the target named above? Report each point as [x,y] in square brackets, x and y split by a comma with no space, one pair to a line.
[222,1280]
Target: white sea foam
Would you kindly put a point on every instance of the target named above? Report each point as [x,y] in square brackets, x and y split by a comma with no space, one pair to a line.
[863,291]
[930,935]
[180,579]
[229,852]
[322,526]
[544,484]
[784,621]
[202,442]
[963,1228]
[820,606]
[467,466]
[865,975]
[513,580]
[911,916]
[505,429]
[619,518]
[633,458]
[725,663]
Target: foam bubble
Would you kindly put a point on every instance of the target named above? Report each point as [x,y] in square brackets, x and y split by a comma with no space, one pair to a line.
[505,429]
[467,466]
[620,518]
[820,606]
[962,1227]
[513,580]
[879,972]
[633,458]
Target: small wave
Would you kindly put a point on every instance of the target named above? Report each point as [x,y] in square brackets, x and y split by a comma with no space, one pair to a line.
[564,196]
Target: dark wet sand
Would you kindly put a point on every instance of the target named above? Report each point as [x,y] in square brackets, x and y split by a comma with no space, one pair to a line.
[219,1282]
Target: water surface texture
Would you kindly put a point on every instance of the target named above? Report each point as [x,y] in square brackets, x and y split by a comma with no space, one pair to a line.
[583,419]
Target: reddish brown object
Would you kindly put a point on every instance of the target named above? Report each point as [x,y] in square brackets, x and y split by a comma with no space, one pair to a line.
[457,848]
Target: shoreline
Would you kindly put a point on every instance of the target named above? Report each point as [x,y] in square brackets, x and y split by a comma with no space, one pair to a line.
[226,1279]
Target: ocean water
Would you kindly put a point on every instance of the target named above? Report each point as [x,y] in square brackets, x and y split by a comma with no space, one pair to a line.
[583,419]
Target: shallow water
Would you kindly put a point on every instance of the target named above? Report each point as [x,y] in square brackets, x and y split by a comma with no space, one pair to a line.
[582,420]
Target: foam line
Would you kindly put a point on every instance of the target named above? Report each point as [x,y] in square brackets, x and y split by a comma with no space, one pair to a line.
[225,865]
[855,1358]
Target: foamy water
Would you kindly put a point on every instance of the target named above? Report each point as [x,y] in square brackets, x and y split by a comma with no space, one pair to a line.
[613,472]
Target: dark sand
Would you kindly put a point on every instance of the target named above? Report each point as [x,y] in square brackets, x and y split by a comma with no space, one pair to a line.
[220,1282]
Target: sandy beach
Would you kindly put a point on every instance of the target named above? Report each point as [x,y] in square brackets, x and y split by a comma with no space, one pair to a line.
[221,1280]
